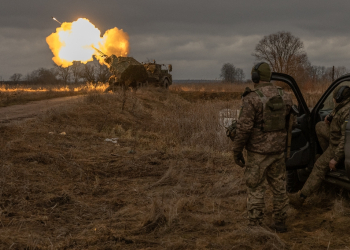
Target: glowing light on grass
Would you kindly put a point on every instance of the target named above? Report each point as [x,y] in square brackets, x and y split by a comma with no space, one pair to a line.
[75,41]
[84,88]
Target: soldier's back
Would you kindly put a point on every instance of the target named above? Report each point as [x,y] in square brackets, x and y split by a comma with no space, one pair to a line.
[261,140]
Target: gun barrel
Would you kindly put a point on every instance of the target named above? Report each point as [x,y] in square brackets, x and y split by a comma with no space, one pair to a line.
[101,53]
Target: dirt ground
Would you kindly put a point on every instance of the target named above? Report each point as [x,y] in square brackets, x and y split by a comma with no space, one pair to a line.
[165,179]
[32,109]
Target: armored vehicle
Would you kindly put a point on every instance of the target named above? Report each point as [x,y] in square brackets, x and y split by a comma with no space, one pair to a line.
[158,74]
[305,145]
[128,72]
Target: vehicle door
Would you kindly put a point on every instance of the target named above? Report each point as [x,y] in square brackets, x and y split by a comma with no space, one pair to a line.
[324,107]
[302,137]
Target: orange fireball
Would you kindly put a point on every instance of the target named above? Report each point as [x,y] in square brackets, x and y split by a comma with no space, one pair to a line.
[76,41]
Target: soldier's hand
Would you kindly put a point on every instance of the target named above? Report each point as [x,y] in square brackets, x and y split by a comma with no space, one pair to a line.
[326,120]
[239,159]
[332,165]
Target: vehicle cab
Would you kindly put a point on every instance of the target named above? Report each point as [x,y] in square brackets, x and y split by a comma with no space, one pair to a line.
[305,145]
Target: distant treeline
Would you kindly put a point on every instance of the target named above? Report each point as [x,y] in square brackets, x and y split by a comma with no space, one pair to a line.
[91,72]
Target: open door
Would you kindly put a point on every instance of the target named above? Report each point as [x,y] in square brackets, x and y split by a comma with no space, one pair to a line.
[301,137]
[347,151]
[324,107]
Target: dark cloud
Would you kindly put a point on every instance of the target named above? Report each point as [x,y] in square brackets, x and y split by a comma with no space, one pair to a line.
[197,37]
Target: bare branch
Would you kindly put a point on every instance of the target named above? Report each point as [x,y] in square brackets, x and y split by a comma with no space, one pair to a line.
[284,52]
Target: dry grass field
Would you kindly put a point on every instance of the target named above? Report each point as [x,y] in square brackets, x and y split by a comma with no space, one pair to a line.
[228,91]
[165,180]
[21,94]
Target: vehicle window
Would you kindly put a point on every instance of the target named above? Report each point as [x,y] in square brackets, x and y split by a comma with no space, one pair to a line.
[328,103]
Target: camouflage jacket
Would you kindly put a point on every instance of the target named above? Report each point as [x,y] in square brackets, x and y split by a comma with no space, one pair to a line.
[249,133]
[337,130]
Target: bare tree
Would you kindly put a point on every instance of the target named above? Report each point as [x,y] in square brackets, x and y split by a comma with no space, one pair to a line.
[63,73]
[103,73]
[228,72]
[42,76]
[239,75]
[339,71]
[88,73]
[321,74]
[76,69]
[317,73]
[16,77]
[284,52]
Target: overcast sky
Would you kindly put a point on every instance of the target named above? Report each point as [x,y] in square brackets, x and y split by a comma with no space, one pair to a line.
[196,36]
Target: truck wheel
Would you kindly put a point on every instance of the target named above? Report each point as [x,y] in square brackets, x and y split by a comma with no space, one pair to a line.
[292,181]
[166,83]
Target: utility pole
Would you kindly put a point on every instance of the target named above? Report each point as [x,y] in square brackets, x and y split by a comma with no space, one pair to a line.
[333,74]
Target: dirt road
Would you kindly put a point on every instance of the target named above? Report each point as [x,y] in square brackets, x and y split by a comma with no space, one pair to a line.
[32,109]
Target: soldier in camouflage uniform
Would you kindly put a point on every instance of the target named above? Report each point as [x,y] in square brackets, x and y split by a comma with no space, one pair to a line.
[331,136]
[265,150]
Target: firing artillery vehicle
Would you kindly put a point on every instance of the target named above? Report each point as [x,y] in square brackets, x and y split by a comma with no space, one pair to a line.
[128,72]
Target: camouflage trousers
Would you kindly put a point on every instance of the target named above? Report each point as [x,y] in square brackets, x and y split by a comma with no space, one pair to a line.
[321,166]
[323,134]
[262,170]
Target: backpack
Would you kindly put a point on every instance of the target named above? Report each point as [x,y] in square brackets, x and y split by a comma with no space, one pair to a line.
[274,109]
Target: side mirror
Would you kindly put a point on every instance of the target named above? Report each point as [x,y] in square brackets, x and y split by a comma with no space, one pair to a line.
[170,67]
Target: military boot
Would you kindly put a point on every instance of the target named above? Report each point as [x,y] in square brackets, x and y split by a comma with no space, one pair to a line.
[280,227]
[296,199]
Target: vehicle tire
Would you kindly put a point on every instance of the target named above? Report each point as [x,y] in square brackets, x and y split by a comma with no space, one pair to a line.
[292,181]
[166,83]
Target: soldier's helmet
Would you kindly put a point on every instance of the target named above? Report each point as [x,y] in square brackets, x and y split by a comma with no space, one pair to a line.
[261,72]
[341,93]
